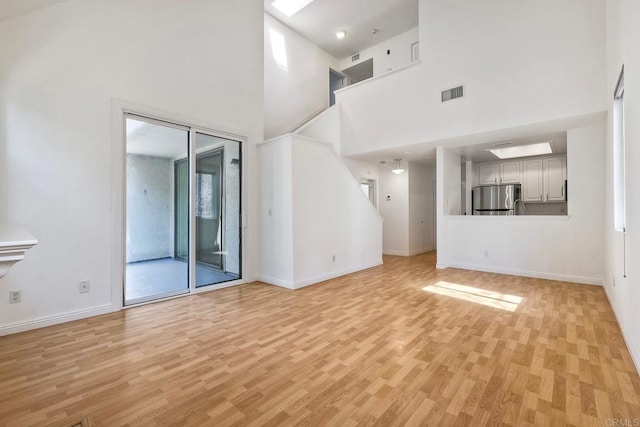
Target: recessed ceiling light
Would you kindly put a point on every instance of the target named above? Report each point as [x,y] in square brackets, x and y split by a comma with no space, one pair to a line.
[290,7]
[523,150]
[341,34]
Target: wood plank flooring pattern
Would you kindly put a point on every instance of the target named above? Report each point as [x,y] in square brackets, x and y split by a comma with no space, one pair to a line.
[371,348]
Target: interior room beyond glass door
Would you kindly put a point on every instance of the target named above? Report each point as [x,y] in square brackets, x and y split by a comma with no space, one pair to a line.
[157,210]
[217,207]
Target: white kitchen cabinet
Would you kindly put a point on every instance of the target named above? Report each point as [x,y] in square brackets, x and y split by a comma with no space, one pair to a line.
[509,173]
[555,173]
[488,173]
[532,181]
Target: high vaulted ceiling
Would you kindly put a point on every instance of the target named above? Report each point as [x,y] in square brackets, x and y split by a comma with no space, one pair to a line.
[320,20]
[11,8]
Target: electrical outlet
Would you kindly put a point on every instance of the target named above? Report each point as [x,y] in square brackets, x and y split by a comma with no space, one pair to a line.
[614,282]
[84,287]
[15,297]
[486,254]
[334,258]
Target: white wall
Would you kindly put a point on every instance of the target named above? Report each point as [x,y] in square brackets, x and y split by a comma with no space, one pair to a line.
[623,39]
[296,92]
[393,205]
[530,61]
[361,170]
[421,208]
[400,47]
[275,213]
[311,210]
[198,59]
[331,217]
[452,166]
[409,219]
[325,128]
[562,248]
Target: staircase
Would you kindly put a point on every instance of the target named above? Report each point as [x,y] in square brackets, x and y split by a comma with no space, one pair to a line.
[315,221]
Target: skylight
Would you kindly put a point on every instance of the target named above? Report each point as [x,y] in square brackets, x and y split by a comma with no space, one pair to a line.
[290,7]
[522,150]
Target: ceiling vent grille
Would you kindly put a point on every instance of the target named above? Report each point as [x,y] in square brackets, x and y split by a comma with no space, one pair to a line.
[453,93]
[355,57]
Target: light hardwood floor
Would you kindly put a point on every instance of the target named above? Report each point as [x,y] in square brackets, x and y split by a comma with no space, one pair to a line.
[373,347]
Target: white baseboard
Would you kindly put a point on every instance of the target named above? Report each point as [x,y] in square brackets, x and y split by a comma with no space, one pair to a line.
[420,251]
[441,266]
[525,273]
[635,356]
[297,284]
[276,282]
[396,253]
[407,253]
[42,322]
[332,275]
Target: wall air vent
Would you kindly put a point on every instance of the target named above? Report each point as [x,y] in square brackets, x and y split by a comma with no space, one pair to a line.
[355,57]
[453,93]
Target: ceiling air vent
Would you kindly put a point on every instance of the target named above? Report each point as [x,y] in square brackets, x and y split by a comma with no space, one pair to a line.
[355,57]
[453,93]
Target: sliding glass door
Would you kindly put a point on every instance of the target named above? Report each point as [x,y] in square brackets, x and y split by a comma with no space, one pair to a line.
[156,267]
[183,217]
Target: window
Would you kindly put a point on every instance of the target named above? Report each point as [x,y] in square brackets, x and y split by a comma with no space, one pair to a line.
[619,181]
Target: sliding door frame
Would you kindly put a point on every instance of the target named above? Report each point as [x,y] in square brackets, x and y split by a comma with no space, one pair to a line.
[120,110]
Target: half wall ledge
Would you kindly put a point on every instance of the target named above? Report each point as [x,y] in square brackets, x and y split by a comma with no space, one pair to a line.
[14,242]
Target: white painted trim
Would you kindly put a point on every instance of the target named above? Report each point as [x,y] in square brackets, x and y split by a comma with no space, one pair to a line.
[222,285]
[341,162]
[280,138]
[301,138]
[288,284]
[440,266]
[526,273]
[421,251]
[41,322]
[323,277]
[14,242]
[627,339]
[376,78]
[309,119]
[314,119]
[119,108]
[292,136]
[395,253]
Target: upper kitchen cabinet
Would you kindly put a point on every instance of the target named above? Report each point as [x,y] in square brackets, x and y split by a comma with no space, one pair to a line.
[488,173]
[532,186]
[544,179]
[555,174]
[510,173]
[499,173]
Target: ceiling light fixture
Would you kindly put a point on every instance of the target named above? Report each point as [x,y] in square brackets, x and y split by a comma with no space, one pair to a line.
[522,150]
[398,169]
[341,34]
[290,7]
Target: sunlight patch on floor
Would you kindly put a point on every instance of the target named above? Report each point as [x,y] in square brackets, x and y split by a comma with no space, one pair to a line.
[476,295]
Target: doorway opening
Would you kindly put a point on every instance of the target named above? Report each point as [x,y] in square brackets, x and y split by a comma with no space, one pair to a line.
[336,81]
[368,187]
[183,208]
[359,72]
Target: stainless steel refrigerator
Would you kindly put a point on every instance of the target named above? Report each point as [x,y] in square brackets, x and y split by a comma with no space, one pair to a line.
[495,199]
